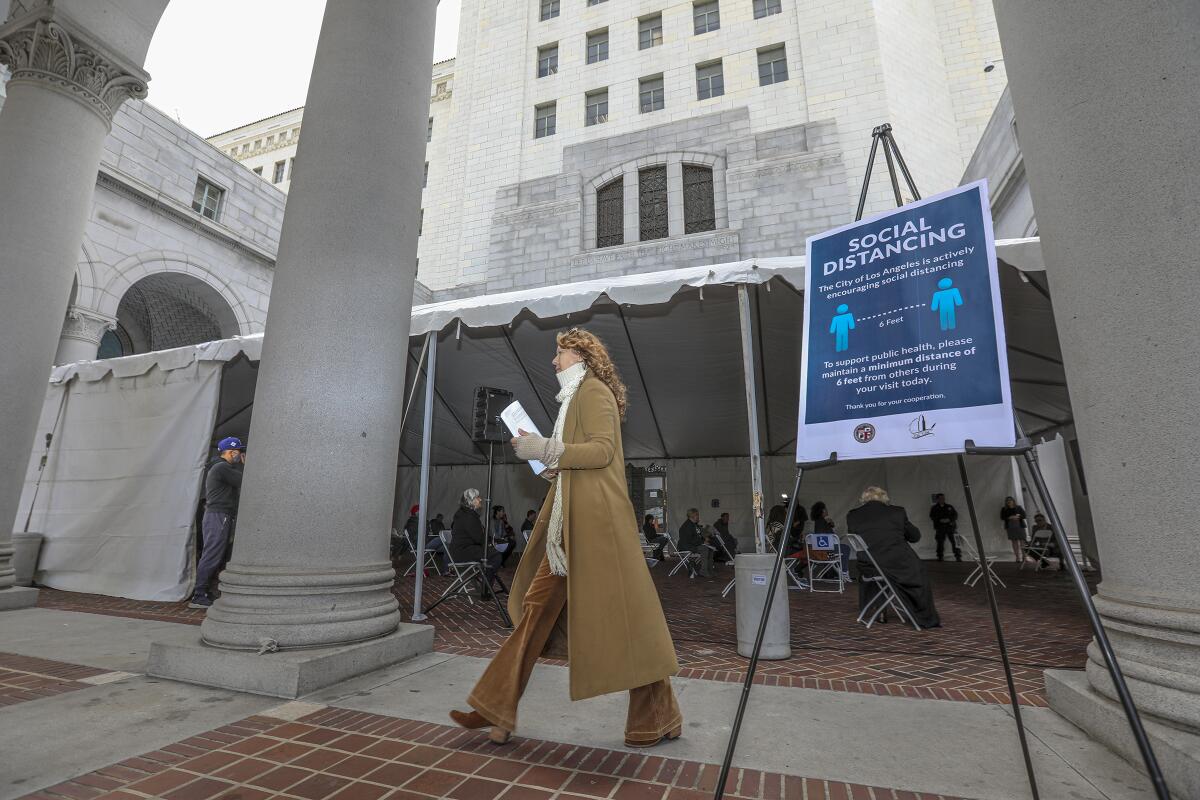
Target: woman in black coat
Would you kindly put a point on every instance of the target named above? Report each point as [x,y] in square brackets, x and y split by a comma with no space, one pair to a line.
[1013,517]
[887,533]
[467,540]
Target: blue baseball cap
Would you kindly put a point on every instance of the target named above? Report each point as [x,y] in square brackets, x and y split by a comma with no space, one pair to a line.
[230,443]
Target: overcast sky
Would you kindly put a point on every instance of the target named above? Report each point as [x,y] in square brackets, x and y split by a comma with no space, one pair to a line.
[218,64]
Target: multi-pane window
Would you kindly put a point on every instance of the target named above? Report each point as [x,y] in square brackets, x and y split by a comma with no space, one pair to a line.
[549,9]
[545,120]
[710,80]
[597,106]
[246,147]
[270,140]
[765,8]
[208,198]
[429,131]
[597,46]
[651,95]
[772,66]
[707,16]
[280,169]
[547,60]
[610,214]
[699,203]
[650,31]
[652,203]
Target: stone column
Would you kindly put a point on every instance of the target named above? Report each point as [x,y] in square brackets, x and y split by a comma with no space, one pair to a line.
[1106,95]
[81,334]
[61,98]
[310,566]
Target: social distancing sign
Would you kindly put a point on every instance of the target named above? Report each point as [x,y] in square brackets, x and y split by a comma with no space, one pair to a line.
[904,349]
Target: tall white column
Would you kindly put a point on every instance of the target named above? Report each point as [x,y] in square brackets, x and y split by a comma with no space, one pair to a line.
[1106,96]
[61,98]
[81,334]
[310,565]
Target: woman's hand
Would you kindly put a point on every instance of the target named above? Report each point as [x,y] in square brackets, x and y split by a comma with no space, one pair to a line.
[530,447]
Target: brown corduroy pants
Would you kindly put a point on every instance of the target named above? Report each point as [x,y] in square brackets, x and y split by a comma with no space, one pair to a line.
[653,711]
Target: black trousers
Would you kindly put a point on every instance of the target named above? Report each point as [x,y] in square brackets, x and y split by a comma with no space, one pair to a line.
[942,536]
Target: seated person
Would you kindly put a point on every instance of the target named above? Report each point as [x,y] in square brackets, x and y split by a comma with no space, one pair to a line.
[776,519]
[721,526]
[1045,531]
[651,532]
[694,539]
[887,533]
[467,539]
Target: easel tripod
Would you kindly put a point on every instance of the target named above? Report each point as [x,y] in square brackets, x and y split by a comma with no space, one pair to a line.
[883,135]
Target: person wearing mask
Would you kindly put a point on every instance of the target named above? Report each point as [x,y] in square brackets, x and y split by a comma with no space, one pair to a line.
[945,525]
[222,486]
[887,533]
[615,634]
[721,526]
[653,536]
[694,539]
[468,541]
[1013,518]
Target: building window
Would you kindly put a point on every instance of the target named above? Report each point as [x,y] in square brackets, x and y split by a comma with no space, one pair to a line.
[429,131]
[291,169]
[765,8]
[650,31]
[545,117]
[421,223]
[425,176]
[772,66]
[596,2]
[295,132]
[258,144]
[277,175]
[710,80]
[652,203]
[651,96]
[699,203]
[208,199]
[270,140]
[442,87]
[547,60]
[597,107]
[610,213]
[258,171]
[549,9]
[597,46]
[707,16]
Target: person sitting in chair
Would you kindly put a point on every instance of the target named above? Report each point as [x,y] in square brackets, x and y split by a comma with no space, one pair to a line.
[467,539]
[887,533]
[1044,530]
[721,526]
[694,539]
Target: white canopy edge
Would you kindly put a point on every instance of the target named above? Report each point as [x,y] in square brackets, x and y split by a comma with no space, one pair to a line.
[494,310]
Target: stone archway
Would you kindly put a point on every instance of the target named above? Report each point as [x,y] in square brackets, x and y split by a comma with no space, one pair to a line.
[165,310]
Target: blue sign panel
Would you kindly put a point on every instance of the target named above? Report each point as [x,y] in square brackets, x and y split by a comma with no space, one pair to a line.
[903,334]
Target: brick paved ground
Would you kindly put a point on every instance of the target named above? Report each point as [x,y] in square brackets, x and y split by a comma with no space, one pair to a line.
[23,678]
[1043,621]
[352,755]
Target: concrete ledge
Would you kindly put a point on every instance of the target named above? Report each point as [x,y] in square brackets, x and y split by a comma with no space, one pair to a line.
[1177,751]
[289,673]
[18,597]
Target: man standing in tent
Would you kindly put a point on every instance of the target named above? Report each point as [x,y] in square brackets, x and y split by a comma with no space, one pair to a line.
[221,489]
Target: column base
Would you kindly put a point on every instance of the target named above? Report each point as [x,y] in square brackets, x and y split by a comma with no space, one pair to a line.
[18,597]
[1178,752]
[286,673]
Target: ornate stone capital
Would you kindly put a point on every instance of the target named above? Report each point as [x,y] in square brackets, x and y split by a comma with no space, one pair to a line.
[87,325]
[38,45]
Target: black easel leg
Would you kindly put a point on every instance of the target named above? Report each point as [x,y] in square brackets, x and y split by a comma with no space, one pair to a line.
[780,555]
[862,197]
[1110,658]
[991,596]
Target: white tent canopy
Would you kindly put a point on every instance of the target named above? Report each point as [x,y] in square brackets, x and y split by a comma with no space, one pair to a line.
[675,336]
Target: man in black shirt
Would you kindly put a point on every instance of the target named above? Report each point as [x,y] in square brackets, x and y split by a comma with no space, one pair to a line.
[221,488]
[945,524]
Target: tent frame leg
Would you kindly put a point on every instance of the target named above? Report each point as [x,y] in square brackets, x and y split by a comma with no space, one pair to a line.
[756,484]
[423,496]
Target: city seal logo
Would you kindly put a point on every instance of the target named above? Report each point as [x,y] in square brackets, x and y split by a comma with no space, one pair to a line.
[920,427]
[864,433]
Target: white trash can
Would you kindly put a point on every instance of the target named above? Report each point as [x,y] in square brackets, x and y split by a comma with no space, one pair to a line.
[753,574]
[26,548]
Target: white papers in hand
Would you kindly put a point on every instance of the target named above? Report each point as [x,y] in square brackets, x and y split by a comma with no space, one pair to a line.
[516,419]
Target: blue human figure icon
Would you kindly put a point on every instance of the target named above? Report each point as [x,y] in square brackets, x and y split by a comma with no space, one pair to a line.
[945,300]
[841,326]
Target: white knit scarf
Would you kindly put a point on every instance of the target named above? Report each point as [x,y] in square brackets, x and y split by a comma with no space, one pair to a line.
[569,381]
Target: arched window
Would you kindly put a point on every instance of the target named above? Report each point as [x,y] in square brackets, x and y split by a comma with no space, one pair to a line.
[610,213]
[699,203]
[652,203]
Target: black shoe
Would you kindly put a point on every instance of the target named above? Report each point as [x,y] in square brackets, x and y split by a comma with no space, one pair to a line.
[958,557]
[201,601]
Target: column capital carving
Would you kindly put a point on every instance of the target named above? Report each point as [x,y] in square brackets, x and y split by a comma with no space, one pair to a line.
[87,325]
[39,44]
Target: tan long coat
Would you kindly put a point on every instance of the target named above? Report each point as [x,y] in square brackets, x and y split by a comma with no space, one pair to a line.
[618,637]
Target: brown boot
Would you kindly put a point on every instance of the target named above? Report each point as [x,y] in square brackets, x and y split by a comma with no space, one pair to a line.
[667,737]
[473,720]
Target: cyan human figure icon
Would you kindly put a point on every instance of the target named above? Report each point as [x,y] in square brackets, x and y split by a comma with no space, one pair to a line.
[945,300]
[841,326]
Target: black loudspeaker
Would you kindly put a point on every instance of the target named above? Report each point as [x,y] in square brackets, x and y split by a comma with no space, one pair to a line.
[486,425]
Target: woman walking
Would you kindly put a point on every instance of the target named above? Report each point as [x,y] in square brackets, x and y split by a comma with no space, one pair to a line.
[584,548]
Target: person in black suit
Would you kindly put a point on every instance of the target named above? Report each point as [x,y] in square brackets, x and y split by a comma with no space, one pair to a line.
[887,533]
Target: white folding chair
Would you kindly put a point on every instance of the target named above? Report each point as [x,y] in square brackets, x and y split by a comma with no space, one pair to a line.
[886,596]
[647,549]
[466,573]
[686,557]
[824,557]
[430,556]
[1039,547]
[789,566]
[981,566]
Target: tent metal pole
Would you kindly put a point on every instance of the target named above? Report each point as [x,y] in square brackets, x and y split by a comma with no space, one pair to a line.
[423,498]
[747,326]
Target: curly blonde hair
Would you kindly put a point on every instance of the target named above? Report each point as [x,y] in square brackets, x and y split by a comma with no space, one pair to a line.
[595,355]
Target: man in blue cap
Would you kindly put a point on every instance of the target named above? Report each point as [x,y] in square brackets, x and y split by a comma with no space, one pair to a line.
[221,488]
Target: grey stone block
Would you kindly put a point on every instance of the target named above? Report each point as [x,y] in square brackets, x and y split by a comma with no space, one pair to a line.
[288,673]
[18,597]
